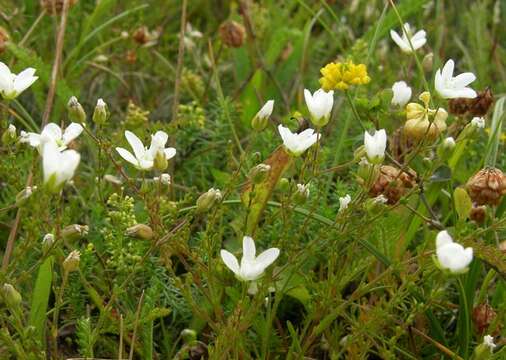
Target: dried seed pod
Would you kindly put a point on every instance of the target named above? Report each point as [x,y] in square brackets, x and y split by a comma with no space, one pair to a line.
[487,186]
[4,37]
[400,144]
[55,7]
[478,214]
[478,106]
[141,35]
[392,183]
[483,316]
[232,34]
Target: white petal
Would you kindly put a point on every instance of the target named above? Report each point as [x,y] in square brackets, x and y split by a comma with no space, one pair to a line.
[24,79]
[5,78]
[268,257]
[464,79]
[248,248]
[266,110]
[71,132]
[127,155]
[51,132]
[447,72]
[399,41]
[443,238]
[230,261]
[136,144]
[170,153]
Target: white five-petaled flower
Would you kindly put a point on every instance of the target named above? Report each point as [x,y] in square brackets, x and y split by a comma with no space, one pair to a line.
[58,166]
[478,122]
[450,255]
[402,93]
[344,201]
[52,133]
[319,105]
[11,85]
[143,158]
[489,342]
[375,145]
[296,144]
[417,40]
[252,267]
[450,87]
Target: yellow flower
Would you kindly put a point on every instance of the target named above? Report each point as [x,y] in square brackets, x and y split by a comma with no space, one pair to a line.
[340,76]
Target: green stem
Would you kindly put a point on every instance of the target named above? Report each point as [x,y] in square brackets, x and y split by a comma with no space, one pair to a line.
[464,319]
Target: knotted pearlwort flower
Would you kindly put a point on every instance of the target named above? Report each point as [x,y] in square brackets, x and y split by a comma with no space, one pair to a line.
[319,105]
[252,267]
[52,133]
[12,85]
[402,93]
[296,144]
[449,87]
[452,256]
[58,166]
[417,40]
[375,146]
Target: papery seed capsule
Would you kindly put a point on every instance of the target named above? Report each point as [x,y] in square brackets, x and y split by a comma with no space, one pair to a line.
[140,231]
[483,316]
[232,34]
[74,231]
[487,186]
[392,183]
[208,199]
[478,214]
[477,106]
[71,263]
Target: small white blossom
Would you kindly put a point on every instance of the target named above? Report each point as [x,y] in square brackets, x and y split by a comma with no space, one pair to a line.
[48,239]
[296,144]
[319,105]
[402,93]
[478,122]
[449,142]
[344,201]
[12,85]
[417,40]
[449,87]
[143,158]
[12,130]
[58,166]
[375,146]
[52,133]
[252,267]
[489,342]
[452,256]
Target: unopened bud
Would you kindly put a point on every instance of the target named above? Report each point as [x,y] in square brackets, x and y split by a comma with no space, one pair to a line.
[188,335]
[101,113]
[113,179]
[9,136]
[161,161]
[11,296]
[301,194]
[164,178]
[24,194]
[76,111]
[71,263]
[74,231]
[445,149]
[259,173]
[283,184]
[428,62]
[207,200]
[140,231]
[261,119]
[259,124]
[48,240]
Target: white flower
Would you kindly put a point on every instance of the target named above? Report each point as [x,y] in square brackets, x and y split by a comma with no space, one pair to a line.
[251,268]
[266,110]
[164,179]
[450,87]
[58,166]
[11,85]
[375,146]
[12,130]
[417,40]
[344,201]
[402,93]
[303,189]
[478,122]
[297,143]
[319,105]
[380,199]
[452,256]
[489,342]
[143,158]
[52,133]
[449,142]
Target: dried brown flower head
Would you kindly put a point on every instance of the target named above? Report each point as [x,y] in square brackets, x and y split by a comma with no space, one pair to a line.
[232,34]
[478,214]
[478,106]
[4,37]
[487,186]
[55,7]
[483,316]
[392,183]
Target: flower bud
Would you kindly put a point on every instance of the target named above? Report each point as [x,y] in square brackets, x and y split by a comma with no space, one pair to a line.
[463,203]
[101,113]
[366,172]
[261,119]
[74,231]
[164,179]
[113,179]
[188,335]
[445,149]
[140,231]
[9,136]
[259,173]
[71,263]
[487,186]
[161,161]
[428,62]
[76,111]
[24,194]
[301,194]
[208,199]
[232,34]
[283,184]
[11,296]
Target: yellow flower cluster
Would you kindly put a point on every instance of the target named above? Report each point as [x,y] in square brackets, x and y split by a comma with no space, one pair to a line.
[340,76]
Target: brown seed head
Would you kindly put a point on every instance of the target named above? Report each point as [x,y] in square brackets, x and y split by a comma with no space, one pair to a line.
[487,186]
[4,37]
[478,214]
[392,183]
[478,106]
[232,34]
[483,316]
[55,7]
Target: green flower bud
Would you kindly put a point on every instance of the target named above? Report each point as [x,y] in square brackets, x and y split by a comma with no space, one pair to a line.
[11,296]
[445,149]
[259,173]
[140,231]
[283,184]
[71,263]
[24,194]
[189,335]
[207,200]
[9,136]
[76,111]
[101,113]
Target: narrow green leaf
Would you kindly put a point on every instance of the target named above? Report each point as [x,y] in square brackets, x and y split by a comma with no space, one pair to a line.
[40,298]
